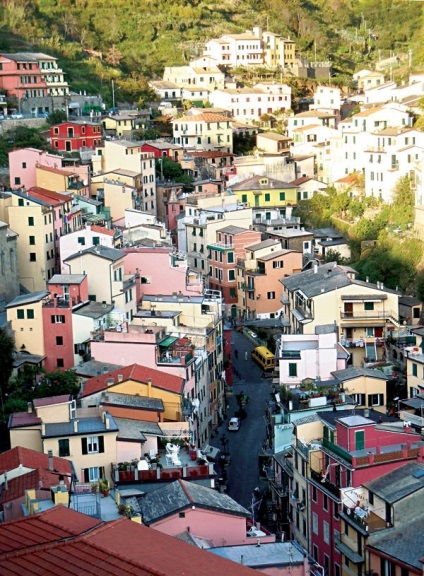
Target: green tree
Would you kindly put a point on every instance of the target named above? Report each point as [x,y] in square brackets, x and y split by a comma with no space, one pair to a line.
[172,171]
[56,117]
[7,348]
[56,383]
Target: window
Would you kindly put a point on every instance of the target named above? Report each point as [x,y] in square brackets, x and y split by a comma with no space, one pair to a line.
[244,198]
[292,369]
[30,314]
[64,448]
[32,240]
[375,399]
[278,264]
[96,240]
[325,501]
[359,439]
[57,319]
[231,274]
[282,195]
[32,257]
[314,493]
[267,197]
[17,181]
[20,314]
[60,363]
[30,220]
[181,515]
[368,305]
[20,202]
[233,293]
[59,340]
[314,522]
[270,295]
[230,257]
[92,445]
[414,370]
[81,240]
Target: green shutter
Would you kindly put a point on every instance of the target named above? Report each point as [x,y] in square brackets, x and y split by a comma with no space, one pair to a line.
[359,440]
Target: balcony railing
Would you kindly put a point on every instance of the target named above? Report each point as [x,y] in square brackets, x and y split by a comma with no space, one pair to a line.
[128,282]
[365,519]
[325,483]
[337,450]
[367,314]
[284,299]
[304,312]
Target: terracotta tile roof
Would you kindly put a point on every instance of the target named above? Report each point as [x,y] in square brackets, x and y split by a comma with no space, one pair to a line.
[57,170]
[54,524]
[11,459]
[202,118]
[48,196]
[51,400]
[35,480]
[138,374]
[113,548]
[308,127]
[102,230]
[210,154]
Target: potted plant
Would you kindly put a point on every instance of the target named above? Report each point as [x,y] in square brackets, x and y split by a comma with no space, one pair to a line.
[104,487]
[94,488]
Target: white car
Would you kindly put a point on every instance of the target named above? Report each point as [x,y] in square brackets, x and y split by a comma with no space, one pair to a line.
[234,424]
[16,116]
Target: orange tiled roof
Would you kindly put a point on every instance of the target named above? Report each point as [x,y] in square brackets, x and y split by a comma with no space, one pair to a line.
[102,230]
[138,374]
[11,459]
[62,171]
[203,118]
[48,196]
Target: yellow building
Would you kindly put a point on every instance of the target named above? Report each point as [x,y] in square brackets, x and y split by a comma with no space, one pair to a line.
[330,294]
[25,316]
[367,388]
[60,180]
[121,124]
[266,193]
[204,132]
[87,438]
[414,359]
[107,281]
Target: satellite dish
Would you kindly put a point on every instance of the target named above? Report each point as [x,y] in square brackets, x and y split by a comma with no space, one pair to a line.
[85,182]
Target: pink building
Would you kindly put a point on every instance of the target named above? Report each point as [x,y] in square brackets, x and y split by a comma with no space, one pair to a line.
[23,161]
[21,75]
[161,272]
[183,506]
[66,292]
[356,448]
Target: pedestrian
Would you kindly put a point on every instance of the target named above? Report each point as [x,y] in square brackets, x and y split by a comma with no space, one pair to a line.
[236,353]
[246,355]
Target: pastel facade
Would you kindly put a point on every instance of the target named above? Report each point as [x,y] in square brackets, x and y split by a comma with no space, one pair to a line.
[87,237]
[204,132]
[9,280]
[201,73]
[90,441]
[327,98]
[223,255]
[107,280]
[329,294]
[25,315]
[264,194]
[22,163]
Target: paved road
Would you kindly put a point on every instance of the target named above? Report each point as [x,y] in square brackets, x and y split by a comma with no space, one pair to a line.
[244,445]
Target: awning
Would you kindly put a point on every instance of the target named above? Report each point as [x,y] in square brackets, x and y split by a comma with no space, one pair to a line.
[175,429]
[299,317]
[350,554]
[168,341]
[73,105]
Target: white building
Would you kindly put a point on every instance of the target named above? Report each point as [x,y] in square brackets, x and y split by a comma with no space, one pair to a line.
[247,104]
[308,118]
[86,238]
[202,73]
[327,98]
[313,356]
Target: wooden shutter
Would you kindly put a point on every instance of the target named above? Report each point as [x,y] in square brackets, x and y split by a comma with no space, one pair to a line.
[85,475]
[84,449]
[101,472]
[101,444]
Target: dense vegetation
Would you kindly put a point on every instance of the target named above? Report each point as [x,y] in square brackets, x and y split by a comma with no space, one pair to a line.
[132,40]
[384,246]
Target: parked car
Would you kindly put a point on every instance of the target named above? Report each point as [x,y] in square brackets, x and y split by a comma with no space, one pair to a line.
[234,424]
[16,116]
[1,116]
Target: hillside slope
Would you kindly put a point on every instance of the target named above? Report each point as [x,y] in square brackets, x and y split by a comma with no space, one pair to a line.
[131,40]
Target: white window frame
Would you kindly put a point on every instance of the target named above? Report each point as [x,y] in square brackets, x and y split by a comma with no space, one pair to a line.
[91,442]
[93,474]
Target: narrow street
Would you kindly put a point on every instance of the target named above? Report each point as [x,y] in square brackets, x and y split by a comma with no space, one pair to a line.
[245,445]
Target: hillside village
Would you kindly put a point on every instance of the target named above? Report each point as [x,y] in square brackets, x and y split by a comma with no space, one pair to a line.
[133,266]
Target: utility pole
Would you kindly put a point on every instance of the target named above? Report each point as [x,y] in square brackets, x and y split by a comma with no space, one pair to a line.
[113,93]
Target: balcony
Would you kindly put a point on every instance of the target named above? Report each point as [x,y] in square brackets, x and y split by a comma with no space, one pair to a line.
[181,358]
[366,519]
[284,299]
[317,477]
[220,246]
[128,281]
[303,313]
[337,450]
[368,315]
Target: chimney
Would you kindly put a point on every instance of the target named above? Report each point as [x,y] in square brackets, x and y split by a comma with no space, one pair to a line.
[149,387]
[43,429]
[367,279]
[75,426]
[50,455]
[366,413]
[315,268]
[6,483]
[29,407]
[107,422]
[120,377]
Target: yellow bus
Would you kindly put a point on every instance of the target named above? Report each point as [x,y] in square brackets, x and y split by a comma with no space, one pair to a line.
[264,358]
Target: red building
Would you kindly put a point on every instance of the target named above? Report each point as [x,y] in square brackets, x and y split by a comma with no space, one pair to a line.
[74,136]
[21,76]
[230,245]
[356,448]
[67,291]
[163,150]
